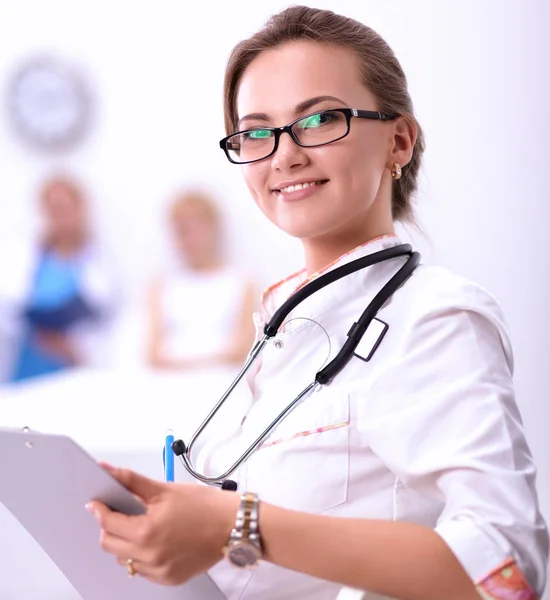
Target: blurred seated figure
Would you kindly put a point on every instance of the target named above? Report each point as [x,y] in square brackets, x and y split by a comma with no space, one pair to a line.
[56,290]
[201,313]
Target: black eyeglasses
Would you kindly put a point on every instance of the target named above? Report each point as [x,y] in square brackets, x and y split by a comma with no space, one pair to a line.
[317,129]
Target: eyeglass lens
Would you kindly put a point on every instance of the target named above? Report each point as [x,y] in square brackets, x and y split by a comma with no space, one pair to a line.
[314,130]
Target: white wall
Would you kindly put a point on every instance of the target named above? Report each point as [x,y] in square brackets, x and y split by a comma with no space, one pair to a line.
[480,77]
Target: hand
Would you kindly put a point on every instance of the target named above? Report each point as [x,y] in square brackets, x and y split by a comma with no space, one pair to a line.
[181,364]
[181,535]
[56,344]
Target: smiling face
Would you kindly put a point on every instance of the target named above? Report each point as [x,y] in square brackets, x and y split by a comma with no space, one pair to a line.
[338,193]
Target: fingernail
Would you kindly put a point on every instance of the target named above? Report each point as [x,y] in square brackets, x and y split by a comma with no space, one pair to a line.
[90,508]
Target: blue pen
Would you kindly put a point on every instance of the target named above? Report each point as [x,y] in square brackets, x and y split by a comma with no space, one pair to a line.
[168,456]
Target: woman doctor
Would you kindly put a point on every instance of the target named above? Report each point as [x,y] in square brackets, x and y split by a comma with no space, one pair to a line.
[409,475]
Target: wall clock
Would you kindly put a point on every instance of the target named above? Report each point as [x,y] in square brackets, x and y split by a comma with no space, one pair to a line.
[49,103]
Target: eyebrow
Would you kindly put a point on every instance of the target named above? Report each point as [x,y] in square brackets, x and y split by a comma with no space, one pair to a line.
[300,108]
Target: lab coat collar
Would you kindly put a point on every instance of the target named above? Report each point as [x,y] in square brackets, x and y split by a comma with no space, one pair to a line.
[325,299]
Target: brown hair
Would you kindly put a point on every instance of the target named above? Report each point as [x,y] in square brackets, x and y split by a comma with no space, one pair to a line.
[381,72]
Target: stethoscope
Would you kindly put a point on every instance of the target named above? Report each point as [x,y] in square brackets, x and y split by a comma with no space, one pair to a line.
[327,373]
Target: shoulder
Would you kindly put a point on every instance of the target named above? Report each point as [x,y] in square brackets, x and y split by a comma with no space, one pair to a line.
[447,339]
[439,308]
[436,289]
[237,274]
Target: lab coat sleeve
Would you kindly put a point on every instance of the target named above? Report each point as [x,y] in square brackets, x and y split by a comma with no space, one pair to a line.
[442,416]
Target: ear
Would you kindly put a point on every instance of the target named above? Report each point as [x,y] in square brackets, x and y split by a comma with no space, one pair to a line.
[402,144]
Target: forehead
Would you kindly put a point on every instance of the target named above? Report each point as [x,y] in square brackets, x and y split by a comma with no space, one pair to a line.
[184,215]
[281,78]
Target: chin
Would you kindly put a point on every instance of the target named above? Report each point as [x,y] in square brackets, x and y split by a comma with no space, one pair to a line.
[304,231]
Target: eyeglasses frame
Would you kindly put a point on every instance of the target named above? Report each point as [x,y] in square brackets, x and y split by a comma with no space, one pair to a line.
[278,131]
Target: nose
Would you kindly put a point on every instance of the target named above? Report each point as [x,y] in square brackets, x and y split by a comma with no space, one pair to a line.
[289,154]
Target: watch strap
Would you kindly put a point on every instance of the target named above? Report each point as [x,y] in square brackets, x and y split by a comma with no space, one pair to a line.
[246,524]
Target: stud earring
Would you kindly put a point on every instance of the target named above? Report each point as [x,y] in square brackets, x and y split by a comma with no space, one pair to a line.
[396,171]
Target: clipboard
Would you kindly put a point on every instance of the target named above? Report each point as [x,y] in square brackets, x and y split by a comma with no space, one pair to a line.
[45,482]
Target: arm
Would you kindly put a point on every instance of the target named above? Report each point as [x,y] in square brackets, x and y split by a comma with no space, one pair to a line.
[447,396]
[155,336]
[400,560]
[243,331]
[187,525]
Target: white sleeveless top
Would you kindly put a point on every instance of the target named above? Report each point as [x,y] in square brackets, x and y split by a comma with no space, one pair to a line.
[200,311]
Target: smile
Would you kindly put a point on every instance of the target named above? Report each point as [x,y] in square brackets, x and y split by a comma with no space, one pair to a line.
[299,186]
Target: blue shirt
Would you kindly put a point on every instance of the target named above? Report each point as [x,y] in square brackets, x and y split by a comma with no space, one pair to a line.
[54,304]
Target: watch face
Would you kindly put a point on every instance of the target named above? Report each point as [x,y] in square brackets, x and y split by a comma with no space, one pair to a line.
[243,555]
[48,103]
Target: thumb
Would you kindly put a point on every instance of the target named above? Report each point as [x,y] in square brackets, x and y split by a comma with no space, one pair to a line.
[143,487]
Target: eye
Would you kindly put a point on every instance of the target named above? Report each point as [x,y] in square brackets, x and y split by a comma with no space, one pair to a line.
[316,120]
[258,134]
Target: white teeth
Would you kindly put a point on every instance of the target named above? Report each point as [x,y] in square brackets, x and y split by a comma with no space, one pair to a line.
[298,186]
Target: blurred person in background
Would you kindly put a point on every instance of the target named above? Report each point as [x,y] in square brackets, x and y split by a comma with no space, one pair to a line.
[55,292]
[199,314]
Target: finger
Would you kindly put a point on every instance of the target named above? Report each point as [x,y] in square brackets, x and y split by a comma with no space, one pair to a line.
[143,487]
[153,574]
[123,550]
[141,569]
[106,466]
[114,523]
[116,546]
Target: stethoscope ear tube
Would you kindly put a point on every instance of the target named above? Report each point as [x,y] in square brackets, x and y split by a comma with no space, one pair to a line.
[270,330]
[357,330]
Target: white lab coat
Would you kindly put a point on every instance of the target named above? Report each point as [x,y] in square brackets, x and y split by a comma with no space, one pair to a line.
[427,431]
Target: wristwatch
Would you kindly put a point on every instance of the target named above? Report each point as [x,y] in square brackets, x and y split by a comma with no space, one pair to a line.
[244,548]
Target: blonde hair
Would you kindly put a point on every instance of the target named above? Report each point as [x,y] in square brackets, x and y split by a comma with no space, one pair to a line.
[195,202]
[380,70]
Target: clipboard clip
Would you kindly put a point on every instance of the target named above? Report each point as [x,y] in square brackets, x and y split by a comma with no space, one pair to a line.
[27,429]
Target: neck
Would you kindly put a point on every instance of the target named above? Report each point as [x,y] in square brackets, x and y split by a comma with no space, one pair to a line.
[322,251]
[204,265]
[65,246]
[361,228]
